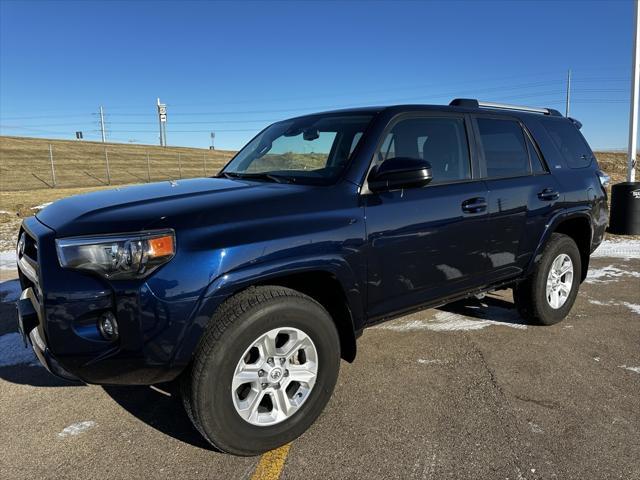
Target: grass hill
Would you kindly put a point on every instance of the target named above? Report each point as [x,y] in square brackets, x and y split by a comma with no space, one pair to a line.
[25,163]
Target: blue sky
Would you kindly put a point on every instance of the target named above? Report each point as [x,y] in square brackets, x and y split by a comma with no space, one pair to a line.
[236,67]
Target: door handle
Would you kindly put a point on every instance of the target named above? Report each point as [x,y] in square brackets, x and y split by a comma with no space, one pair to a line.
[548,194]
[474,205]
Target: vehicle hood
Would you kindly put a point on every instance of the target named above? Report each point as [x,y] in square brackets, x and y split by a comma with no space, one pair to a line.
[174,204]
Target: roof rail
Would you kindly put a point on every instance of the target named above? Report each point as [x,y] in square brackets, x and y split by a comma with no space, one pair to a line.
[473,103]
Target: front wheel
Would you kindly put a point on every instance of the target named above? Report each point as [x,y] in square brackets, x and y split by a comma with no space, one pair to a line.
[547,295]
[263,371]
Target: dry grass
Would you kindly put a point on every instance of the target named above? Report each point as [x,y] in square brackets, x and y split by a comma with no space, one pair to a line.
[25,163]
[613,164]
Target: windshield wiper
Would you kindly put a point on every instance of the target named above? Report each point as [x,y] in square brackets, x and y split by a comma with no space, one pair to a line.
[259,176]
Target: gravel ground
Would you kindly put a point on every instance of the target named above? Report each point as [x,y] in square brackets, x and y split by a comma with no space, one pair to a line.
[464,391]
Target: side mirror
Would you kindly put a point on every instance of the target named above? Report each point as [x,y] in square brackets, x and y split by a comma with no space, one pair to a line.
[400,172]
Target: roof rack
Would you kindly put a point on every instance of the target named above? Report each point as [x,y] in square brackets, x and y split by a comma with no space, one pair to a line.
[473,103]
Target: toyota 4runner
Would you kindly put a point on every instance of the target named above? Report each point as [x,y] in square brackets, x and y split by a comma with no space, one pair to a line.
[249,287]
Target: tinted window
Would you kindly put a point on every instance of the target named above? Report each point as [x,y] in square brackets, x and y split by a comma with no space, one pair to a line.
[312,149]
[354,142]
[440,141]
[503,143]
[567,138]
[537,165]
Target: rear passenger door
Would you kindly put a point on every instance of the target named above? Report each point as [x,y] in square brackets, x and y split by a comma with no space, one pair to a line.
[522,193]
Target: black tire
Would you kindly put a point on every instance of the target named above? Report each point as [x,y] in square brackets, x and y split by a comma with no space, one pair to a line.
[530,295]
[206,386]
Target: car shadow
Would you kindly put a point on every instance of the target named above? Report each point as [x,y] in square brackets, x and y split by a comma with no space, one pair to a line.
[34,376]
[491,307]
[160,407]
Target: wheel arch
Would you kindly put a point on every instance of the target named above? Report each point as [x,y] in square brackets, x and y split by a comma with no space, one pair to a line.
[576,225]
[327,290]
[329,281]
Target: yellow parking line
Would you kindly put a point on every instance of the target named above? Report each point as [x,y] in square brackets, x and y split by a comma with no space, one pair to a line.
[271,464]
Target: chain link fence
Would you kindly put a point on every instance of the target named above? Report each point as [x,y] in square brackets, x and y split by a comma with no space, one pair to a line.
[29,164]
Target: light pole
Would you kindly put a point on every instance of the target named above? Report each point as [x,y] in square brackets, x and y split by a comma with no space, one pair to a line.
[633,109]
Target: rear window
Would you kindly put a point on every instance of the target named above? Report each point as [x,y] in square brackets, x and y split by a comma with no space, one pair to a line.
[570,142]
[537,165]
[504,147]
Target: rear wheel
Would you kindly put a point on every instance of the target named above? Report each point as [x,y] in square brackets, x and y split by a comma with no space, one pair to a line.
[264,370]
[547,295]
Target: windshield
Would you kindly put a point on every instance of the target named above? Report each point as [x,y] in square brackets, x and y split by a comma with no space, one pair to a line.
[313,149]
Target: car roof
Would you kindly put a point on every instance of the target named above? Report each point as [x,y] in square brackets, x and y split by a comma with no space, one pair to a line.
[402,108]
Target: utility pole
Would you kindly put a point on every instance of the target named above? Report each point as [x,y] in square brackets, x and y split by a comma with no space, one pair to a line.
[53,169]
[568,93]
[633,111]
[162,122]
[213,137]
[102,130]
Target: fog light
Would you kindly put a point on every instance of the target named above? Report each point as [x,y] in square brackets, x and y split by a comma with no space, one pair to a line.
[108,326]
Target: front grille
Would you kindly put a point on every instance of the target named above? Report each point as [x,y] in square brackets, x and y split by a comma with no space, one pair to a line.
[27,254]
[31,247]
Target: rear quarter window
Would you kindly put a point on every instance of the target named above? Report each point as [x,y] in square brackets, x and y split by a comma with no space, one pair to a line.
[570,142]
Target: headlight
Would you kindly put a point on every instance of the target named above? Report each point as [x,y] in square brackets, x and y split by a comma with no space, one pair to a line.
[118,256]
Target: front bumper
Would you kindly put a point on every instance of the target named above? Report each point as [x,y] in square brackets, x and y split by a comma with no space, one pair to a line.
[58,315]
[28,323]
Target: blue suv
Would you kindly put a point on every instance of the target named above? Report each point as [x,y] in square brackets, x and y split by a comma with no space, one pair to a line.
[249,287]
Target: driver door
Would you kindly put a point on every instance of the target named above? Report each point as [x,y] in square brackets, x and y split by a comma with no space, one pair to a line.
[426,243]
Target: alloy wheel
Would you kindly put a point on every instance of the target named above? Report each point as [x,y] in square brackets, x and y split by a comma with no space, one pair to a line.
[274,376]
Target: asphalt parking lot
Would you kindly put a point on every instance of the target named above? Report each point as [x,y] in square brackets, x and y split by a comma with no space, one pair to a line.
[464,391]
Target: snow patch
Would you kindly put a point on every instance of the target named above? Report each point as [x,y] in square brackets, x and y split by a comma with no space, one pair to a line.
[609,274]
[446,322]
[10,291]
[535,428]
[41,206]
[633,369]
[76,429]
[632,306]
[618,249]
[8,260]
[13,352]
[425,361]
[598,302]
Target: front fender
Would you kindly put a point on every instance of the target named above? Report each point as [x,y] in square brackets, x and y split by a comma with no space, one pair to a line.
[228,284]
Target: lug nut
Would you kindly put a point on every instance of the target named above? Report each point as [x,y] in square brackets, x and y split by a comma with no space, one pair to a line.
[277,385]
[261,373]
[270,361]
[286,373]
[282,360]
[265,385]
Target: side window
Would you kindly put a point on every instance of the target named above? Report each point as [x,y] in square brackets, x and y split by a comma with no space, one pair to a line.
[537,165]
[354,142]
[503,144]
[441,141]
[387,150]
[569,141]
